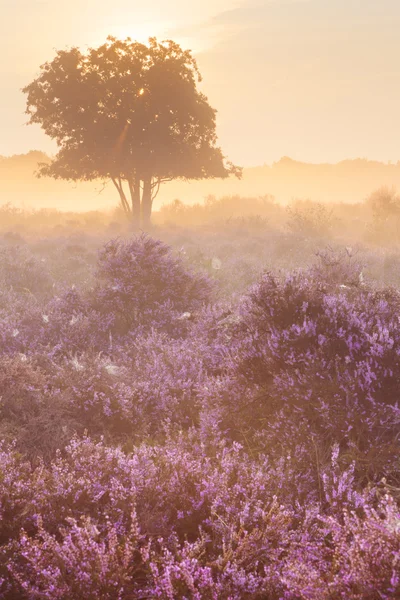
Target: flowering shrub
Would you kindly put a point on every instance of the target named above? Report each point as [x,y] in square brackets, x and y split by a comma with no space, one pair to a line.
[338,269]
[65,324]
[156,444]
[21,271]
[71,326]
[82,565]
[168,522]
[17,312]
[322,359]
[142,283]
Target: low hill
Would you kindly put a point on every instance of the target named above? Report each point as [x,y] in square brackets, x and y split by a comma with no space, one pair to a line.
[20,187]
[346,181]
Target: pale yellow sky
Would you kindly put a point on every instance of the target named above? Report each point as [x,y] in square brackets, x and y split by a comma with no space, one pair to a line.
[317,80]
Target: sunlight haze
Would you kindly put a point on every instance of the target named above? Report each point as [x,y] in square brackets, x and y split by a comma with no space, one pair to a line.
[200,299]
[316,80]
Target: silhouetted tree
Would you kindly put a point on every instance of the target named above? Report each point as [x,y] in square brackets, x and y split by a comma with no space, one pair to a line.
[128,112]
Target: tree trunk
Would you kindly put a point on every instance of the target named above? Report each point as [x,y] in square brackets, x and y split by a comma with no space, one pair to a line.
[123,201]
[134,188]
[147,202]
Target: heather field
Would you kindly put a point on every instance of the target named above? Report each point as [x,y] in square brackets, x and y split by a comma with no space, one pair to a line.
[199,300]
[209,411]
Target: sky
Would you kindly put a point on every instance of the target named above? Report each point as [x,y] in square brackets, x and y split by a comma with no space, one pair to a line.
[316,80]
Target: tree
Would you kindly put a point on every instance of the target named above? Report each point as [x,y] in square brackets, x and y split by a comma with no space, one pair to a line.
[130,113]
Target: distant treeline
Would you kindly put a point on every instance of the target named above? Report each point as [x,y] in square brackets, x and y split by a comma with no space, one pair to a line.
[348,181]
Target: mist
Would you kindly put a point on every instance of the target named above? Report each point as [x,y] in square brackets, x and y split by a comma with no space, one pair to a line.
[200,300]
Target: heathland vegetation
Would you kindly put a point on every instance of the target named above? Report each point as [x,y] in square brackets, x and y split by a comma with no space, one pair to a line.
[208,410]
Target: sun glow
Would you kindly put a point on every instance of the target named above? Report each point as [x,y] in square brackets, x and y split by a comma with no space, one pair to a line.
[137,32]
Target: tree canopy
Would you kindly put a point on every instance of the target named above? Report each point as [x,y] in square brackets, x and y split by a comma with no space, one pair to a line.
[128,112]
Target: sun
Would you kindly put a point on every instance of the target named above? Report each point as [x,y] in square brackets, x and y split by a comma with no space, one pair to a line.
[137,32]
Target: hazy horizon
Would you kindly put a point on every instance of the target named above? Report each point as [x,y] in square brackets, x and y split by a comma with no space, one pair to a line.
[349,181]
[314,80]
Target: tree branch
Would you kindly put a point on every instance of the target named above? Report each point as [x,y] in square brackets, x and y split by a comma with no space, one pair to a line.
[161,180]
[155,186]
[102,188]
[124,202]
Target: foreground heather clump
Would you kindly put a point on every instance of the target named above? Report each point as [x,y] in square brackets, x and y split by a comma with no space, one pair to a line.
[311,364]
[168,522]
[158,443]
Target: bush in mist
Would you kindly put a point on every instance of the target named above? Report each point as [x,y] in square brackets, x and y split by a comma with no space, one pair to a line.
[310,219]
[338,268]
[142,282]
[384,205]
[21,271]
[384,202]
[224,211]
